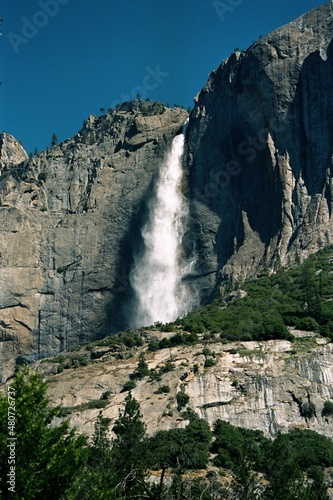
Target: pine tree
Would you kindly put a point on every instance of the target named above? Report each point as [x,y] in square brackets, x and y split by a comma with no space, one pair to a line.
[47,458]
[130,450]
[142,369]
[97,479]
[101,444]
[246,483]
[286,479]
[54,140]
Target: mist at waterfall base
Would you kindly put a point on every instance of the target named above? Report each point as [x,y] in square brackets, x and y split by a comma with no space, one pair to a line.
[158,277]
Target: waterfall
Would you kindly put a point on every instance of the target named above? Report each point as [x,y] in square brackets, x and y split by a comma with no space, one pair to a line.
[161,295]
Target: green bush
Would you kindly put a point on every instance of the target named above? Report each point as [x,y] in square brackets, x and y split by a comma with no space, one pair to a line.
[153,345]
[164,389]
[231,443]
[182,448]
[42,176]
[106,395]
[209,362]
[167,367]
[97,403]
[182,399]
[310,448]
[142,369]
[328,409]
[128,386]
[308,410]
[309,324]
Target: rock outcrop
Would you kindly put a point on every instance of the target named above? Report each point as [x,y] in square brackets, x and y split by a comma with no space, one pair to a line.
[11,151]
[69,219]
[260,153]
[257,385]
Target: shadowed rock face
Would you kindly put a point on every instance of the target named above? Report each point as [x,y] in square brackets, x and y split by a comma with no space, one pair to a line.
[69,219]
[260,145]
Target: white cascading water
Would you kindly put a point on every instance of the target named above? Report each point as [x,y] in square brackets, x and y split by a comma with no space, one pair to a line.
[156,278]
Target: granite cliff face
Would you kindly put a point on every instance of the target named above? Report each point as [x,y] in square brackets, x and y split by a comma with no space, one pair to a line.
[11,151]
[257,385]
[260,149]
[259,164]
[69,219]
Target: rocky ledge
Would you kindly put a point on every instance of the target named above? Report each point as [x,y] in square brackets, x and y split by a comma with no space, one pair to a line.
[271,386]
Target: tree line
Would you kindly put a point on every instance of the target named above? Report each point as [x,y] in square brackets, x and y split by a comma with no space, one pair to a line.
[52,461]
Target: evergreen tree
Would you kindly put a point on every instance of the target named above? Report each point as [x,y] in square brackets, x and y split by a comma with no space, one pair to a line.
[312,300]
[54,140]
[130,450]
[142,369]
[47,458]
[245,484]
[286,479]
[97,480]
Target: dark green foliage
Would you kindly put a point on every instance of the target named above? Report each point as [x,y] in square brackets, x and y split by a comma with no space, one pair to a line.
[286,479]
[42,176]
[97,403]
[307,324]
[286,468]
[182,399]
[308,410]
[250,318]
[54,140]
[128,386]
[308,449]
[232,443]
[153,345]
[179,339]
[328,409]
[128,339]
[245,484]
[97,479]
[311,449]
[209,362]
[130,448]
[182,448]
[131,339]
[47,458]
[167,367]
[300,297]
[106,395]
[142,369]
[164,389]
[157,374]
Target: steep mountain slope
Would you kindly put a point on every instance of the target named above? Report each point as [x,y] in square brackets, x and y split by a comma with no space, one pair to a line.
[259,183]
[256,375]
[69,217]
[260,153]
[257,385]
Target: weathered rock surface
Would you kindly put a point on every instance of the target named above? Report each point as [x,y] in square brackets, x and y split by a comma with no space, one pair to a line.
[257,385]
[11,151]
[260,153]
[68,222]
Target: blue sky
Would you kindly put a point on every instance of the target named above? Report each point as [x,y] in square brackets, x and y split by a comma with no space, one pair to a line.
[62,60]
